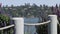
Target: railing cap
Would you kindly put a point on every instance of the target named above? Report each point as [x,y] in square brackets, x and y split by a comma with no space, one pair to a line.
[52,15]
[16,18]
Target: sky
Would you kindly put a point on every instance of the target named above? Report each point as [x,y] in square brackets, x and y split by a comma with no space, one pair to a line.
[22,2]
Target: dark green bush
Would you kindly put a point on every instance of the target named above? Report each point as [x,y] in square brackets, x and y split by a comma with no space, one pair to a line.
[5,21]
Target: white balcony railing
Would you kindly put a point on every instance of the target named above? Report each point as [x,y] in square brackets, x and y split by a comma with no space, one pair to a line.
[19,24]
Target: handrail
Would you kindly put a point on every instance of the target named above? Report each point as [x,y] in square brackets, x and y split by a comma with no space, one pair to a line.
[7,27]
[37,23]
[24,24]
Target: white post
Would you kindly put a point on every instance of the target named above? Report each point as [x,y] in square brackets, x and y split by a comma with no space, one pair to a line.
[52,26]
[19,25]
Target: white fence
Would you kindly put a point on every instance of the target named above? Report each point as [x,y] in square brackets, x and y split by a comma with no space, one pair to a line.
[19,24]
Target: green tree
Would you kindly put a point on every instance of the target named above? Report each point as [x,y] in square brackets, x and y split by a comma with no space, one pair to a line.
[5,21]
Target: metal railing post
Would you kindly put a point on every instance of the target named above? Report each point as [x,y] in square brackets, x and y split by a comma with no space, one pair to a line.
[52,26]
[19,25]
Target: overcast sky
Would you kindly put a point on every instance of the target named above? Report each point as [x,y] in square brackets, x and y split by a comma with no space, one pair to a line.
[22,2]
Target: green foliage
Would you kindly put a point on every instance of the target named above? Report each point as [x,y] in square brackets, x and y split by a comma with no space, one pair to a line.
[4,18]
[42,29]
